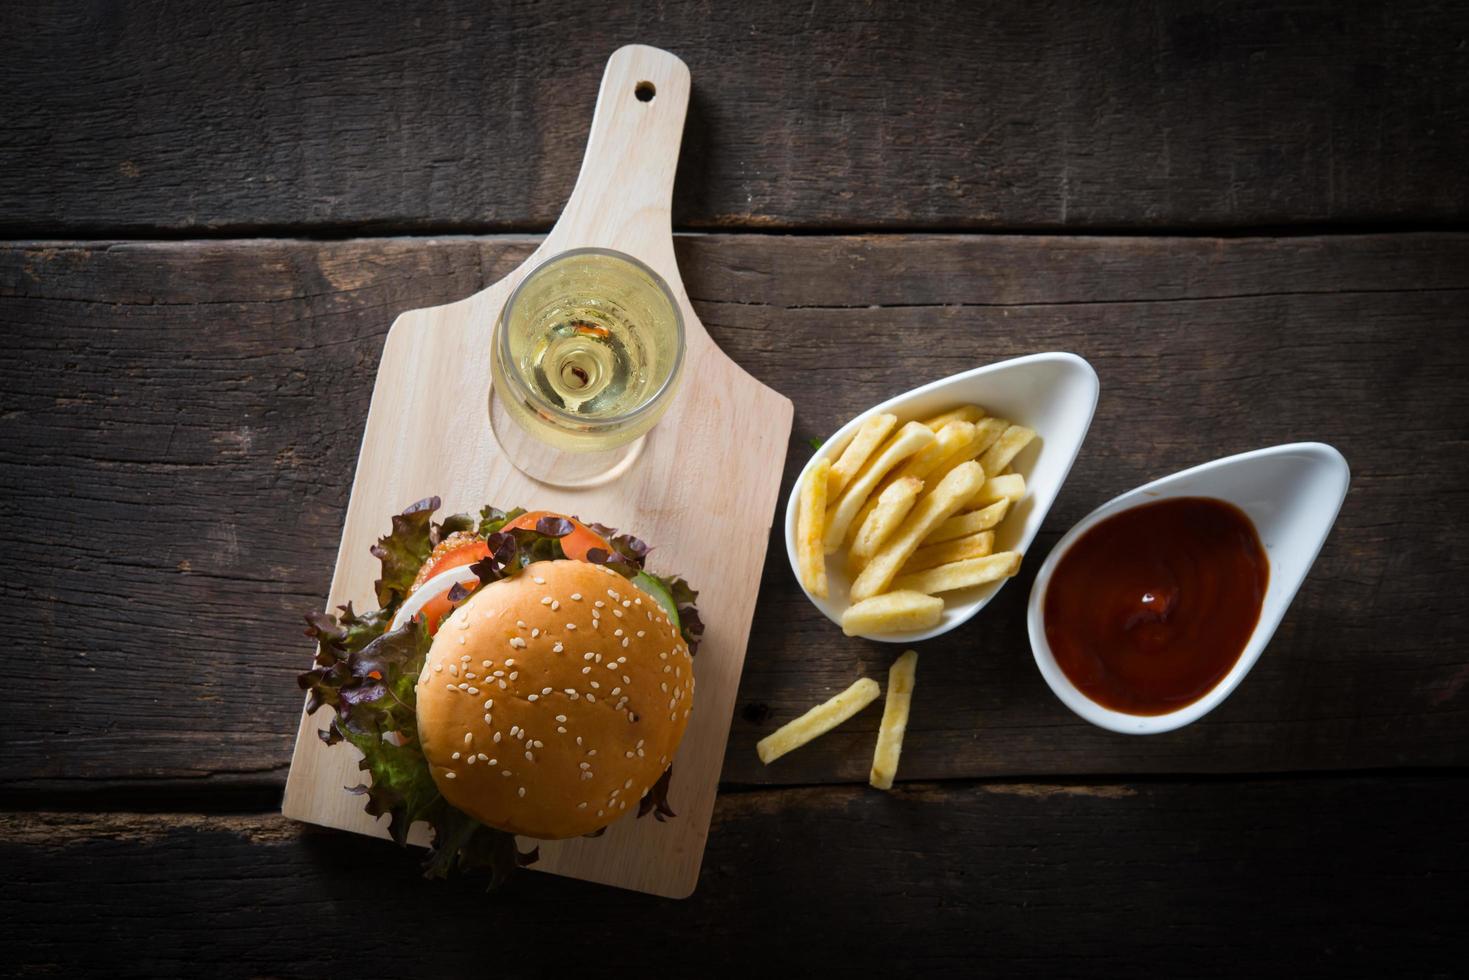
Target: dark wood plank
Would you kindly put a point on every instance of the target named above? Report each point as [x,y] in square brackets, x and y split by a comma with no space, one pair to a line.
[179,425]
[1023,114]
[1324,877]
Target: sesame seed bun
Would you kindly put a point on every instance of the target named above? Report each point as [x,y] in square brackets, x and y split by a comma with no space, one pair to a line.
[552,701]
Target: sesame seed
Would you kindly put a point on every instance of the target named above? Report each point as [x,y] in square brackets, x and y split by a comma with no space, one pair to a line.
[514,674]
[520,623]
[596,686]
[498,673]
[461,641]
[591,752]
[617,613]
[560,717]
[612,665]
[616,691]
[627,785]
[513,730]
[529,756]
[571,626]
[599,813]
[626,679]
[489,703]
[505,773]
[488,720]
[600,604]
[448,774]
[663,688]
[555,605]
[438,668]
[450,687]
[454,756]
[581,806]
[585,765]
[468,737]
[586,775]
[578,740]
[487,663]
[497,738]
[586,670]
[627,755]
[622,660]
[545,690]
[537,743]
[471,760]
[510,662]
[622,805]
[617,632]
[662,656]
[465,658]
[532,697]
[522,791]
[545,600]
[640,753]
[454,670]
[557,648]
[561,729]
[576,596]
[470,675]
[538,580]
[626,603]
[672,702]
[597,657]
[502,684]
[517,643]
[472,690]
[463,686]
[642,633]
[573,695]
[591,698]
[624,641]
[535,633]
[520,734]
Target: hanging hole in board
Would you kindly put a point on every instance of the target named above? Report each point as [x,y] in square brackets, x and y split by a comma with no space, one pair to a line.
[644,91]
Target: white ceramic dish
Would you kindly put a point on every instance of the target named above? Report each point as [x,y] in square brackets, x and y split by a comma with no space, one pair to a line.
[1055,394]
[1292,494]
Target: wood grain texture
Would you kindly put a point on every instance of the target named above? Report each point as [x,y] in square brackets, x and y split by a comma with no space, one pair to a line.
[1321,877]
[179,424]
[1022,114]
[428,433]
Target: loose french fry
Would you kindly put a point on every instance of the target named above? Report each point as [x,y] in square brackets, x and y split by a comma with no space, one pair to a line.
[946,442]
[970,522]
[986,431]
[810,524]
[964,413]
[888,511]
[892,612]
[818,721]
[901,678]
[1009,487]
[974,546]
[998,456]
[869,436]
[931,511]
[908,440]
[962,574]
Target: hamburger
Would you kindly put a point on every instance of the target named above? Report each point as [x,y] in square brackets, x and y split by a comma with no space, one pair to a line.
[524,674]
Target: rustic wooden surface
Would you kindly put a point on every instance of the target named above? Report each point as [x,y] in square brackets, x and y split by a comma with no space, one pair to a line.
[1279,251]
[200,406]
[936,880]
[1058,114]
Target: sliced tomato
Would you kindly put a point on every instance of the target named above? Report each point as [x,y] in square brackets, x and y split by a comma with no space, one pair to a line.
[459,548]
[576,544]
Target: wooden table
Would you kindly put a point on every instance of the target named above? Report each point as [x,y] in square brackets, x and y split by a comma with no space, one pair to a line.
[1249,218]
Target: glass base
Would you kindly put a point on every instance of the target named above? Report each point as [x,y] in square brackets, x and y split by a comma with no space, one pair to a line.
[557,467]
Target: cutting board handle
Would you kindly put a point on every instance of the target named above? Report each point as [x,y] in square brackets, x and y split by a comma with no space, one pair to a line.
[623,193]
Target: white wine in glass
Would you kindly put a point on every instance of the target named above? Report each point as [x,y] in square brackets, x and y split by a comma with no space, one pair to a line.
[586,357]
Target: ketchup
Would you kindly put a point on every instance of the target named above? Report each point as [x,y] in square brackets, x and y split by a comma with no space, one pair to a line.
[1149,609]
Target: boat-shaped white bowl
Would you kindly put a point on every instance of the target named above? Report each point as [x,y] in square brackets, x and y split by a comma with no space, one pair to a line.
[1292,494]
[1055,394]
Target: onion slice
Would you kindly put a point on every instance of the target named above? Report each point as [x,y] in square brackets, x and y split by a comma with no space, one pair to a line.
[434,587]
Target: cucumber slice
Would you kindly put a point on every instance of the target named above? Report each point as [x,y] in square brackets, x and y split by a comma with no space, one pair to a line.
[655,588]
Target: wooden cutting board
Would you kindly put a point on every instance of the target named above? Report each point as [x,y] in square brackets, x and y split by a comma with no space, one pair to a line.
[702,491]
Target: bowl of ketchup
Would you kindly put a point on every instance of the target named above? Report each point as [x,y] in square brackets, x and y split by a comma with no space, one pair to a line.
[1153,608]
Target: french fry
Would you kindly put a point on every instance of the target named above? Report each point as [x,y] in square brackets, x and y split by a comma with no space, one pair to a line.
[946,442]
[986,431]
[961,574]
[908,440]
[892,612]
[931,511]
[970,522]
[886,513]
[964,413]
[973,546]
[1009,487]
[869,436]
[810,525]
[998,456]
[901,679]
[818,721]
